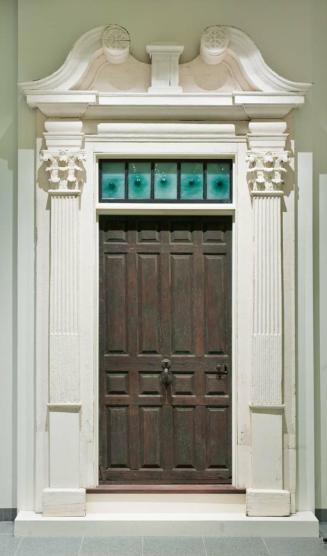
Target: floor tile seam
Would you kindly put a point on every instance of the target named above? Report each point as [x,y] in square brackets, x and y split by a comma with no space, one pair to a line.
[266,546]
[142,546]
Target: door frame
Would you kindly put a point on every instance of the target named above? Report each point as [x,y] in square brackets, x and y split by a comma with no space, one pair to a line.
[235,150]
[200,140]
[154,487]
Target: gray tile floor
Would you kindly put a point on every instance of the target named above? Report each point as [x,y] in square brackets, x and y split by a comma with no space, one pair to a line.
[323,530]
[158,546]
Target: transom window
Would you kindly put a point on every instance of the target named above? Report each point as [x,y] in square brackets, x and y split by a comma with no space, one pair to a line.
[165,181]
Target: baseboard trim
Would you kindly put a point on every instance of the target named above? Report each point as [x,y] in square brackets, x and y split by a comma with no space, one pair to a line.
[8,514]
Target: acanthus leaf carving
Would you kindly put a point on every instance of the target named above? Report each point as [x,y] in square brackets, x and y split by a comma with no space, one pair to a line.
[65,171]
[266,170]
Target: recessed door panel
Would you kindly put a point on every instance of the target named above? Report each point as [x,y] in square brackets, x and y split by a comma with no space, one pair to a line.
[165,350]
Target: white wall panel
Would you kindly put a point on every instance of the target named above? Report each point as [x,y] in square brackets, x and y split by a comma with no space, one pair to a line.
[305,375]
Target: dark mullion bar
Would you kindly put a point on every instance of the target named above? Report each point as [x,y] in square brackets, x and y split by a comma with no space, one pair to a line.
[178,180]
[152,180]
[100,180]
[205,186]
[126,180]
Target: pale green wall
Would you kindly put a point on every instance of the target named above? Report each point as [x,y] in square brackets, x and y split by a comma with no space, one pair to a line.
[290,34]
[8,197]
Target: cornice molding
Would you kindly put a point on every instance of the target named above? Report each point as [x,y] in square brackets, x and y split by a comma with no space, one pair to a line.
[170,132]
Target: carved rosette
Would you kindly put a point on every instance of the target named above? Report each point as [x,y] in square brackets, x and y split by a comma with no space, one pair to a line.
[65,169]
[214,44]
[266,170]
[116,44]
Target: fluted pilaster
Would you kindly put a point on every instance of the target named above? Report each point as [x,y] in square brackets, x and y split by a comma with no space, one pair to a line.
[267,161]
[64,167]
[64,291]
[267,304]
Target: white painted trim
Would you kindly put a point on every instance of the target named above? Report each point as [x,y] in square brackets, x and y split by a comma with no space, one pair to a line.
[164,68]
[95,151]
[61,502]
[164,208]
[25,330]
[141,145]
[268,502]
[267,407]
[255,89]
[213,106]
[305,383]
[302,524]
[240,47]
[166,131]
[158,503]
[267,98]
[321,384]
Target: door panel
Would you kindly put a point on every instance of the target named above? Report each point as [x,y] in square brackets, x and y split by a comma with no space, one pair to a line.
[165,292]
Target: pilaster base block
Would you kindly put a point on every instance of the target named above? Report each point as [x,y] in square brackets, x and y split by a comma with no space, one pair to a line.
[64,502]
[268,503]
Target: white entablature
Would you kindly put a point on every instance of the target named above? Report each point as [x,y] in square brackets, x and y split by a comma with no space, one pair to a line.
[229,79]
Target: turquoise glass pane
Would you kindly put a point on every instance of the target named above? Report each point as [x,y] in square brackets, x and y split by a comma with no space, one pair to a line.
[139,180]
[191,180]
[165,180]
[219,181]
[113,180]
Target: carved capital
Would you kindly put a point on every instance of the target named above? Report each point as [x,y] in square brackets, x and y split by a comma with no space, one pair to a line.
[266,171]
[64,168]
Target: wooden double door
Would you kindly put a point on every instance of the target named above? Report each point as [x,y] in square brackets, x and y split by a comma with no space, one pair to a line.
[165,350]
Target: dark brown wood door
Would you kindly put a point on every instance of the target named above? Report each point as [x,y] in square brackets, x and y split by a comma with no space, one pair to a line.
[165,292]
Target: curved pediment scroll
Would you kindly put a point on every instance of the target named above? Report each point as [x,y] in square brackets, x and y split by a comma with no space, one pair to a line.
[219,44]
[101,64]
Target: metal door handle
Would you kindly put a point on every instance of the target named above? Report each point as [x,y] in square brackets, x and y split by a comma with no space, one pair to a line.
[166,376]
[221,370]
